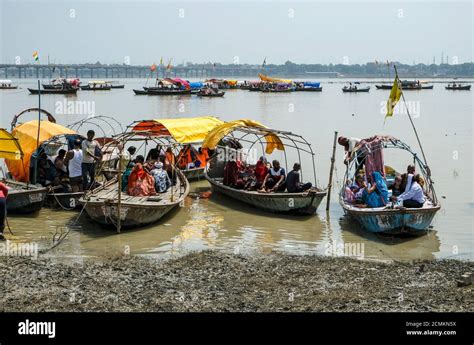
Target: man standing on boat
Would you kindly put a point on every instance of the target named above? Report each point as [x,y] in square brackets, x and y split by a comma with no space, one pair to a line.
[349,145]
[73,161]
[91,154]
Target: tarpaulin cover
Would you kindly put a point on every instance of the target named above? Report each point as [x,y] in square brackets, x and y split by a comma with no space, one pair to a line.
[26,134]
[311,84]
[216,135]
[183,130]
[196,85]
[9,146]
[274,80]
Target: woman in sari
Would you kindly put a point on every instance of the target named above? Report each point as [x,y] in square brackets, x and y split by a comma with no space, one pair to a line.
[377,194]
[140,182]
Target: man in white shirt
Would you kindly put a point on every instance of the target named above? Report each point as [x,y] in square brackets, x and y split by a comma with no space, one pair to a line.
[349,146]
[90,155]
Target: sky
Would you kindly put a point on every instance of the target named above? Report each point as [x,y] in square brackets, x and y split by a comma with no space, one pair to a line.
[141,32]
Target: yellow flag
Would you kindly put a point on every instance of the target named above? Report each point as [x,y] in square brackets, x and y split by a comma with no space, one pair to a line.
[395,95]
[161,61]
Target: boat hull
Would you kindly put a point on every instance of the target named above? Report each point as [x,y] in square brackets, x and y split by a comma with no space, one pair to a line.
[154,92]
[25,201]
[219,94]
[140,92]
[131,216]
[460,88]
[194,174]
[8,87]
[310,89]
[294,203]
[367,89]
[54,91]
[394,221]
[64,201]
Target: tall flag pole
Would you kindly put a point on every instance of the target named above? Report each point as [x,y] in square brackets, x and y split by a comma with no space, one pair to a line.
[394,97]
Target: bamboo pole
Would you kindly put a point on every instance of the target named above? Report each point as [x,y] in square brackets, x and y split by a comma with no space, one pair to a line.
[38,135]
[333,159]
[119,202]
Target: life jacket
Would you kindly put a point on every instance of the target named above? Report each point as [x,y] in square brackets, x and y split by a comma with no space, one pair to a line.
[170,158]
[184,158]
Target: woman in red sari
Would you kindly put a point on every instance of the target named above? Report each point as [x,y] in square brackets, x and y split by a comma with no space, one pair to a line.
[140,182]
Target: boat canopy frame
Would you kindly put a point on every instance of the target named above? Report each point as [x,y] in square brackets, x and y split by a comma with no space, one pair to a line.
[41,111]
[97,121]
[287,139]
[389,142]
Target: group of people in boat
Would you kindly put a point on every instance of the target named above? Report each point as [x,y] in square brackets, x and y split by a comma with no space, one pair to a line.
[155,173]
[374,191]
[263,177]
[70,171]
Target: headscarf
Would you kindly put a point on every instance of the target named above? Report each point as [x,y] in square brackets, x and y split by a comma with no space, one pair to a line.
[381,186]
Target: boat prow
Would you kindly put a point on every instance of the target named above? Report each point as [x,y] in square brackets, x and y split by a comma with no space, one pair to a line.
[393,221]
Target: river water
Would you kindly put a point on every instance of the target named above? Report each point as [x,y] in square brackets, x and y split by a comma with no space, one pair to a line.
[444,120]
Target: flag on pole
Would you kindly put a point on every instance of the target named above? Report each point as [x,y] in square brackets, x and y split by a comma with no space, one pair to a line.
[153,67]
[169,65]
[394,97]
[36,56]
[161,61]
[264,62]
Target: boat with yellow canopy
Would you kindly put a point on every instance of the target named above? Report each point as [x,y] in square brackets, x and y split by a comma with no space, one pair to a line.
[22,197]
[40,142]
[182,135]
[274,80]
[228,141]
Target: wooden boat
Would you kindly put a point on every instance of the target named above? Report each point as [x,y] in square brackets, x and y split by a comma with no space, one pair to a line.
[389,219]
[308,86]
[254,88]
[458,87]
[406,85]
[167,92]
[101,205]
[24,198]
[140,92]
[280,202]
[358,89]
[54,91]
[294,203]
[217,94]
[95,88]
[97,85]
[108,205]
[7,85]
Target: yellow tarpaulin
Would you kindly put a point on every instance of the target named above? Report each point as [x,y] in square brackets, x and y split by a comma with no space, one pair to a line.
[274,80]
[183,130]
[26,134]
[216,135]
[9,147]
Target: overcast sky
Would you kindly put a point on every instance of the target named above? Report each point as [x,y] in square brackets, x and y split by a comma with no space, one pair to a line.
[112,31]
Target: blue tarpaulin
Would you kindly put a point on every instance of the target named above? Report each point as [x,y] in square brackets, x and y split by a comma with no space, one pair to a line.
[311,84]
[196,85]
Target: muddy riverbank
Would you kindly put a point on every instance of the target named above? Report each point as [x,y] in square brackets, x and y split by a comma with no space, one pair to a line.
[213,281]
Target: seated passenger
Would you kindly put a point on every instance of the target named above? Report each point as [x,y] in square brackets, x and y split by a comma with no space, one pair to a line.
[259,173]
[140,182]
[126,176]
[396,188]
[377,194]
[231,173]
[61,169]
[407,178]
[293,184]
[275,179]
[414,197]
[162,180]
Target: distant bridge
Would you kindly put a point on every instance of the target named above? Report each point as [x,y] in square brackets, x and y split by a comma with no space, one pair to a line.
[122,71]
